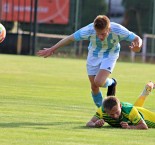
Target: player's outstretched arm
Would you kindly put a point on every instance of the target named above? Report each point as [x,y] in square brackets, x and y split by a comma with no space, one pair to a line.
[136,44]
[46,52]
[140,125]
[95,122]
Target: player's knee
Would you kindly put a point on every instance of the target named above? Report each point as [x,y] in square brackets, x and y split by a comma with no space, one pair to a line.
[99,83]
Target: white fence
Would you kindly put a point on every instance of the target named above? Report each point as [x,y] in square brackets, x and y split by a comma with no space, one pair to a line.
[145,53]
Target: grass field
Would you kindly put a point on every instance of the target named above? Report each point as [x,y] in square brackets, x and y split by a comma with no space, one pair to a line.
[47,102]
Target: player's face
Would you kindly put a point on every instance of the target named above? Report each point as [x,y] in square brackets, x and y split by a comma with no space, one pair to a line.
[102,34]
[115,112]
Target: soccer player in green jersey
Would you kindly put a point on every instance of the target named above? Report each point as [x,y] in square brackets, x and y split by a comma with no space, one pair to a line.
[125,115]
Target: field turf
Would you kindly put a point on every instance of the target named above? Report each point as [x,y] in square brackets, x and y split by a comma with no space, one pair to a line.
[47,102]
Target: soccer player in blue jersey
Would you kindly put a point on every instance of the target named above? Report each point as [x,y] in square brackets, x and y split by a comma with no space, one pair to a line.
[103,52]
[125,115]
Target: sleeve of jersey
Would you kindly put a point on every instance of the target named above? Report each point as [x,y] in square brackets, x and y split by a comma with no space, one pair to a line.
[134,116]
[125,34]
[82,34]
[98,113]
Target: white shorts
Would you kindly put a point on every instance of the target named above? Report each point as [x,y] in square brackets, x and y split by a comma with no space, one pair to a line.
[100,63]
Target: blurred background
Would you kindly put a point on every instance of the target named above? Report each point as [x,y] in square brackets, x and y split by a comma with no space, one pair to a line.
[34,24]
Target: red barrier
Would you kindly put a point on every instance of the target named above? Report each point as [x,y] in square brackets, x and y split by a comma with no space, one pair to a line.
[49,11]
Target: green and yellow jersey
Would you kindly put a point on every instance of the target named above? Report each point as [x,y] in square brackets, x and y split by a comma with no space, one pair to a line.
[130,114]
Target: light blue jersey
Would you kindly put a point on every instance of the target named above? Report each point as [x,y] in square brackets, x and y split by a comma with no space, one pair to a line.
[103,54]
[110,46]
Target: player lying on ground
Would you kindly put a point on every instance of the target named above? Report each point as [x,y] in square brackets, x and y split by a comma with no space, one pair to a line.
[125,115]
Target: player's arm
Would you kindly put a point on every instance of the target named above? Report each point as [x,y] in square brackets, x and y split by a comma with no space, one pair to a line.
[95,122]
[49,51]
[136,41]
[136,119]
[140,125]
[136,44]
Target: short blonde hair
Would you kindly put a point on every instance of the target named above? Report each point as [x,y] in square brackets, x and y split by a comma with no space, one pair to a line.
[101,22]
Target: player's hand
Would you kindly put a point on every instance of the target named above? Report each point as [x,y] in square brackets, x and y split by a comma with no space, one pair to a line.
[99,123]
[136,44]
[46,52]
[124,125]
[135,47]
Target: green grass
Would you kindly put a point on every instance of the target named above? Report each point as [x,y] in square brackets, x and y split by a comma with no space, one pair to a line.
[47,102]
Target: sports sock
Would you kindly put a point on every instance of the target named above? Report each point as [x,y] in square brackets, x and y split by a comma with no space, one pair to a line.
[108,82]
[97,99]
[147,90]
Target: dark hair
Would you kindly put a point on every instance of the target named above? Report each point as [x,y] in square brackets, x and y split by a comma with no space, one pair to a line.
[110,102]
[101,22]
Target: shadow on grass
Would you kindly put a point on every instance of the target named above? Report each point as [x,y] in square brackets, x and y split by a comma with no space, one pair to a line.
[85,127]
[48,125]
[42,125]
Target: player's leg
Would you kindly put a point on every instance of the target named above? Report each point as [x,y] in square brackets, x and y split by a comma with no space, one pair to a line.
[102,78]
[98,77]
[148,115]
[147,90]
[96,93]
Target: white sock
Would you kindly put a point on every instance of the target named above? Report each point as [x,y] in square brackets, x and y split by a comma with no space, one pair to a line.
[148,88]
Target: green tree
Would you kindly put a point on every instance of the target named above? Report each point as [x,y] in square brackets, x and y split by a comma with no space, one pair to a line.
[90,9]
[138,15]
